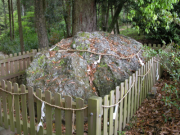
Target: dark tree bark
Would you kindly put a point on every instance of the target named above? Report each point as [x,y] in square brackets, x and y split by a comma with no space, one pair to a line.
[105,15]
[12,20]
[20,26]
[116,15]
[4,10]
[41,23]
[97,15]
[117,27]
[112,14]
[67,15]
[10,26]
[84,16]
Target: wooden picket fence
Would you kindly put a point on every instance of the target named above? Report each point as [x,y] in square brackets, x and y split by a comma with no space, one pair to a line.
[14,65]
[20,107]
[154,46]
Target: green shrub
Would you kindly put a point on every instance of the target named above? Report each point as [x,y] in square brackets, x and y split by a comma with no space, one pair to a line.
[169,58]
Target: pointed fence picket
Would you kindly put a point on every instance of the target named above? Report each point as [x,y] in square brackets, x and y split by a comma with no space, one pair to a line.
[154,46]
[106,116]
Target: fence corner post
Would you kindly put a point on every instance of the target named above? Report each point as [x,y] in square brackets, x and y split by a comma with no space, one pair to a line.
[94,115]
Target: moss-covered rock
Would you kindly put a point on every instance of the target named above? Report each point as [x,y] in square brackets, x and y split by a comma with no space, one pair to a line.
[85,65]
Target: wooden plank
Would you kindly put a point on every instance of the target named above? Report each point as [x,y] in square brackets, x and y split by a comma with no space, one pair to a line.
[111,102]
[17,57]
[159,46]
[154,46]
[24,62]
[17,108]
[136,92]
[105,116]
[48,113]
[146,83]
[79,117]
[11,66]
[15,64]
[125,104]
[68,115]
[12,75]
[28,60]
[2,69]
[11,106]
[1,93]
[39,104]
[150,75]
[151,72]
[142,84]
[159,70]
[149,45]
[20,62]
[116,119]
[129,100]
[94,118]
[139,88]
[154,73]
[31,111]
[7,68]
[133,96]
[58,120]
[121,108]
[146,80]
[149,67]
[24,110]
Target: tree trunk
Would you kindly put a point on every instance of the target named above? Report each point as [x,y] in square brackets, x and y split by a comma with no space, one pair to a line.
[12,20]
[67,15]
[117,27]
[105,15]
[84,16]
[116,15]
[97,16]
[20,26]
[9,8]
[4,10]
[41,24]
[112,14]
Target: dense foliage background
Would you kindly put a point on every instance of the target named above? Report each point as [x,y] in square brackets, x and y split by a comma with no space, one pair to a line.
[152,19]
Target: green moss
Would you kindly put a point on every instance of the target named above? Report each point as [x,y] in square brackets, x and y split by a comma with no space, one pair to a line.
[61,62]
[72,44]
[103,65]
[83,34]
[79,47]
[40,60]
[56,48]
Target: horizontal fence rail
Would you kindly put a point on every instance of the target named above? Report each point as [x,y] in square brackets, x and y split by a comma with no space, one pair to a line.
[46,114]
